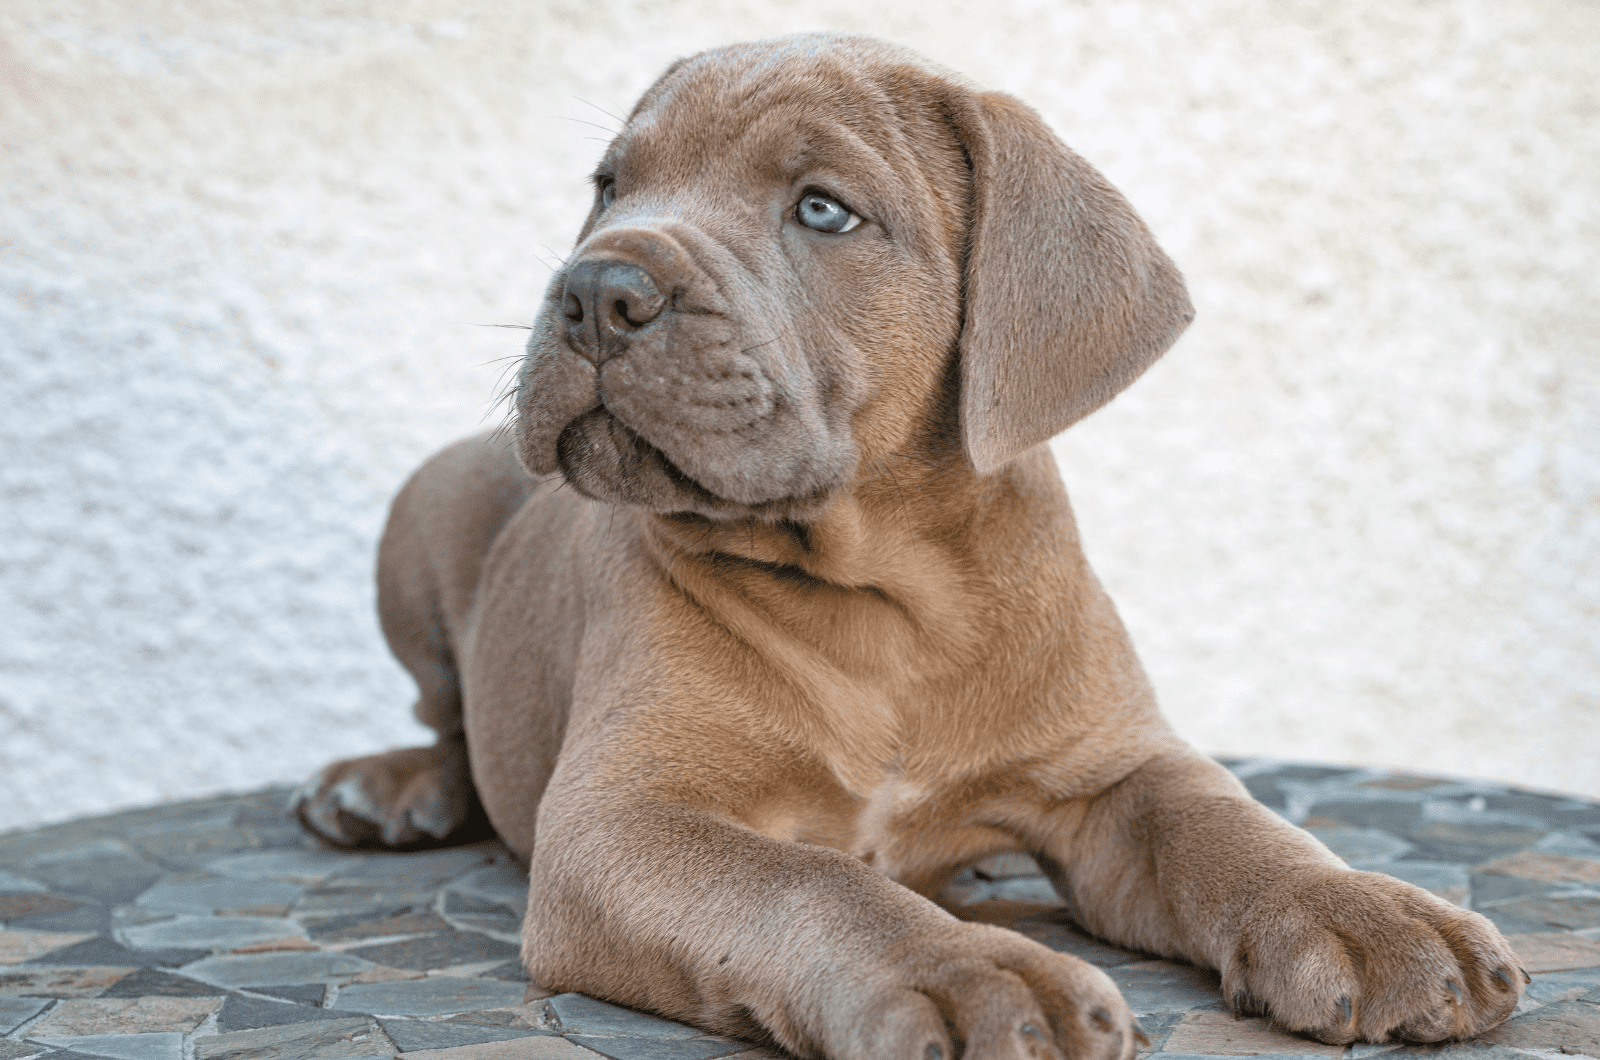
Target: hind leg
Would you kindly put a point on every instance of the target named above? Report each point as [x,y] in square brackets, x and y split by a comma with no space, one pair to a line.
[429,560]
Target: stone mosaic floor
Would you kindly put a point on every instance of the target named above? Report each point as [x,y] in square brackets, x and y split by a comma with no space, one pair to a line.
[213,930]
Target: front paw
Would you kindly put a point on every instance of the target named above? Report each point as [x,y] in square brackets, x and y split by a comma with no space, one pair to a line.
[1346,956]
[984,993]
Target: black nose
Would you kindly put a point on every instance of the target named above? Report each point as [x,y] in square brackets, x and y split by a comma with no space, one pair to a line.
[606,303]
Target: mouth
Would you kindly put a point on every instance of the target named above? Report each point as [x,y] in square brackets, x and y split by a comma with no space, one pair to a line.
[603,458]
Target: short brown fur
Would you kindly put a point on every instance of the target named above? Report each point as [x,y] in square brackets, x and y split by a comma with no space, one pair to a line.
[787,618]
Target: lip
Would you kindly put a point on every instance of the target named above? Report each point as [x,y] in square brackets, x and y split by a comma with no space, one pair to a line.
[600,420]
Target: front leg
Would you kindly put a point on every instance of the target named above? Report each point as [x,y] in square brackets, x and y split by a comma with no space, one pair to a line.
[1178,859]
[672,909]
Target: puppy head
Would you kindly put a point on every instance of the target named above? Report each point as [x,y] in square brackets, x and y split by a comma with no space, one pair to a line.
[808,254]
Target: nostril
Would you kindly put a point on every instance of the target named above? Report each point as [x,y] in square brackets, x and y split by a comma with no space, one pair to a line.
[574,307]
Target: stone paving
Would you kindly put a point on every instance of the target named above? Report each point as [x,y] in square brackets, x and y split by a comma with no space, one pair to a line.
[215,930]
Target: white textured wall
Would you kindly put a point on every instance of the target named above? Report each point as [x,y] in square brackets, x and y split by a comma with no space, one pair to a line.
[1354,515]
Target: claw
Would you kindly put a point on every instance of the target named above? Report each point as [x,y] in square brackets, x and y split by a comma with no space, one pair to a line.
[1454,989]
[1139,1035]
[1101,1019]
[1344,1006]
[934,1051]
[1238,1004]
[1526,978]
[1505,980]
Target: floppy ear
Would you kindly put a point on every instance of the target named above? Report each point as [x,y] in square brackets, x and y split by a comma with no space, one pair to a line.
[1068,298]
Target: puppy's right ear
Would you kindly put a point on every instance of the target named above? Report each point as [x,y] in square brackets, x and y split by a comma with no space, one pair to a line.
[1068,297]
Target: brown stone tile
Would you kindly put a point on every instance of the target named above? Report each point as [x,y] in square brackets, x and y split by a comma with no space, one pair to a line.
[1555,951]
[143,1015]
[291,942]
[17,906]
[43,981]
[19,946]
[1404,783]
[1209,1032]
[535,1048]
[1537,865]
[1564,1025]
[304,1041]
[382,973]
[270,909]
[1314,820]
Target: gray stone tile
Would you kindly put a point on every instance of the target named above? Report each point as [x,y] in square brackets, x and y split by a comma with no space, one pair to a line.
[412,1035]
[11,883]
[433,996]
[303,1041]
[438,951]
[1312,774]
[1162,986]
[503,883]
[20,906]
[1565,1023]
[207,896]
[240,1013]
[655,1049]
[1490,888]
[210,932]
[104,951]
[91,917]
[273,969]
[578,1014]
[1157,1026]
[1571,913]
[167,1045]
[303,867]
[424,869]
[363,901]
[1471,843]
[1362,844]
[1395,816]
[513,970]
[15,1011]
[148,982]
[1450,882]
[1061,936]
[354,928]
[18,1050]
[108,878]
[299,993]
[1563,986]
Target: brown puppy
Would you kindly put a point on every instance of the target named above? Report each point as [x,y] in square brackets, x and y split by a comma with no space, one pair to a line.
[809,627]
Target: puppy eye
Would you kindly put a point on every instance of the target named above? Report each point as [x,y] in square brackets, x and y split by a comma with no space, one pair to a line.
[824,214]
[608,193]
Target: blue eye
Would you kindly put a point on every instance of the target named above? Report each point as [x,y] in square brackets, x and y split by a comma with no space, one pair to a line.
[608,193]
[824,214]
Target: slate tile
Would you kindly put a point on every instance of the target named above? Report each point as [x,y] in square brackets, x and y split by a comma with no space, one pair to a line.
[1471,843]
[1362,844]
[1573,913]
[1543,866]
[1209,1032]
[1565,1023]
[1404,783]
[1564,986]
[1393,816]
[460,902]
[274,969]
[1264,789]
[15,906]
[11,883]
[433,996]
[90,918]
[363,902]
[1511,923]
[1310,774]
[424,869]
[352,928]
[109,879]
[23,981]
[304,1041]
[240,1013]
[1157,1026]
[141,1015]
[148,982]
[438,951]
[299,993]
[1554,951]
[545,1047]
[17,1050]
[1059,934]
[1559,812]
[207,896]
[1162,986]
[302,867]
[104,951]
[209,932]
[411,1035]
[1450,882]
[579,1014]
[512,971]
[20,947]
[166,1046]
[653,1049]
[528,1014]
[1488,888]
[15,1011]
[503,882]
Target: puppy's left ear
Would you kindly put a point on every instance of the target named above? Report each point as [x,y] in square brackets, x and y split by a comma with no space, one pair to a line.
[1068,298]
